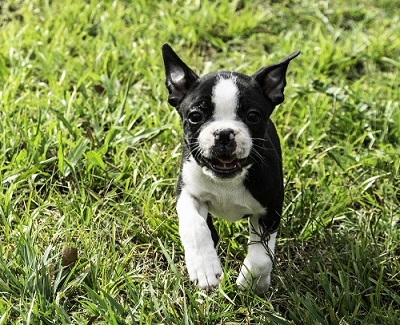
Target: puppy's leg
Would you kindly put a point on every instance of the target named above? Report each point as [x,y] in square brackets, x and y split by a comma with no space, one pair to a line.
[256,270]
[202,260]
[214,234]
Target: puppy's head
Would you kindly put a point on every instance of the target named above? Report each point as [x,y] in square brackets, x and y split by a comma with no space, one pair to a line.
[224,114]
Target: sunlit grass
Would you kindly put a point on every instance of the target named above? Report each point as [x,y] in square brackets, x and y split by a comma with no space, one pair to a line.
[89,154]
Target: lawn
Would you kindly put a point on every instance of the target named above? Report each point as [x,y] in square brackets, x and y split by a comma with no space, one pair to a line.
[90,149]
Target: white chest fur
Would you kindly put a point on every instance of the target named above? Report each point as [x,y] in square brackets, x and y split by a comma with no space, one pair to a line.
[227,199]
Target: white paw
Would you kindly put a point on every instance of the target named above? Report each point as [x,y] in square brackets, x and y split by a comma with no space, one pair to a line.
[204,269]
[255,275]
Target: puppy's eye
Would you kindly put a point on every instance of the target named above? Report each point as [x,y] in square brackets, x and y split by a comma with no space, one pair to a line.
[195,117]
[254,117]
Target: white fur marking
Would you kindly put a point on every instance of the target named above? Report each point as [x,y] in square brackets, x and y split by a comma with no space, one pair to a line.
[202,261]
[242,137]
[225,98]
[228,199]
[257,266]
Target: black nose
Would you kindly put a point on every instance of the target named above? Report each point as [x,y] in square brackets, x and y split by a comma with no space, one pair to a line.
[224,137]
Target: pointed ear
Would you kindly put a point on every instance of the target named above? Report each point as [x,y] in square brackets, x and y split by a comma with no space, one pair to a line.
[272,79]
[179,77]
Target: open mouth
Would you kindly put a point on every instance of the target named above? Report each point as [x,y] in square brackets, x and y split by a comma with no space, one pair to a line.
[225,165]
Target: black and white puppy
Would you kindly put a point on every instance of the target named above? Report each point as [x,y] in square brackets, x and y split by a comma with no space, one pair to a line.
[231,164]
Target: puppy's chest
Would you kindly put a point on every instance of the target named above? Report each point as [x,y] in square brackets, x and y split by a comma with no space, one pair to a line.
[231,204]
[229,200]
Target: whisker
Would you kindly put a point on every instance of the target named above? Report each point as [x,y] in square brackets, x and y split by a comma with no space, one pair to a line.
[260,139]
[258,157]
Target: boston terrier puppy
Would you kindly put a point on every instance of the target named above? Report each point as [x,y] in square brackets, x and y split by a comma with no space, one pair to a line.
[231,164]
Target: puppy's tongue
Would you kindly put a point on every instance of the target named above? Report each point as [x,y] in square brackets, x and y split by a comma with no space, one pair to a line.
[226,160]
[226,163]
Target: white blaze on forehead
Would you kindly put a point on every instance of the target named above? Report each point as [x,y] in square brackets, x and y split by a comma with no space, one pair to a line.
[225,98]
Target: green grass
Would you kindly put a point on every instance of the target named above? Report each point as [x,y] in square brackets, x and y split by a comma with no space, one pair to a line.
[89,154]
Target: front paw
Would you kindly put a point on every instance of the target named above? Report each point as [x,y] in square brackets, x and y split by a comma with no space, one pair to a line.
[255,276]
[204,270]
